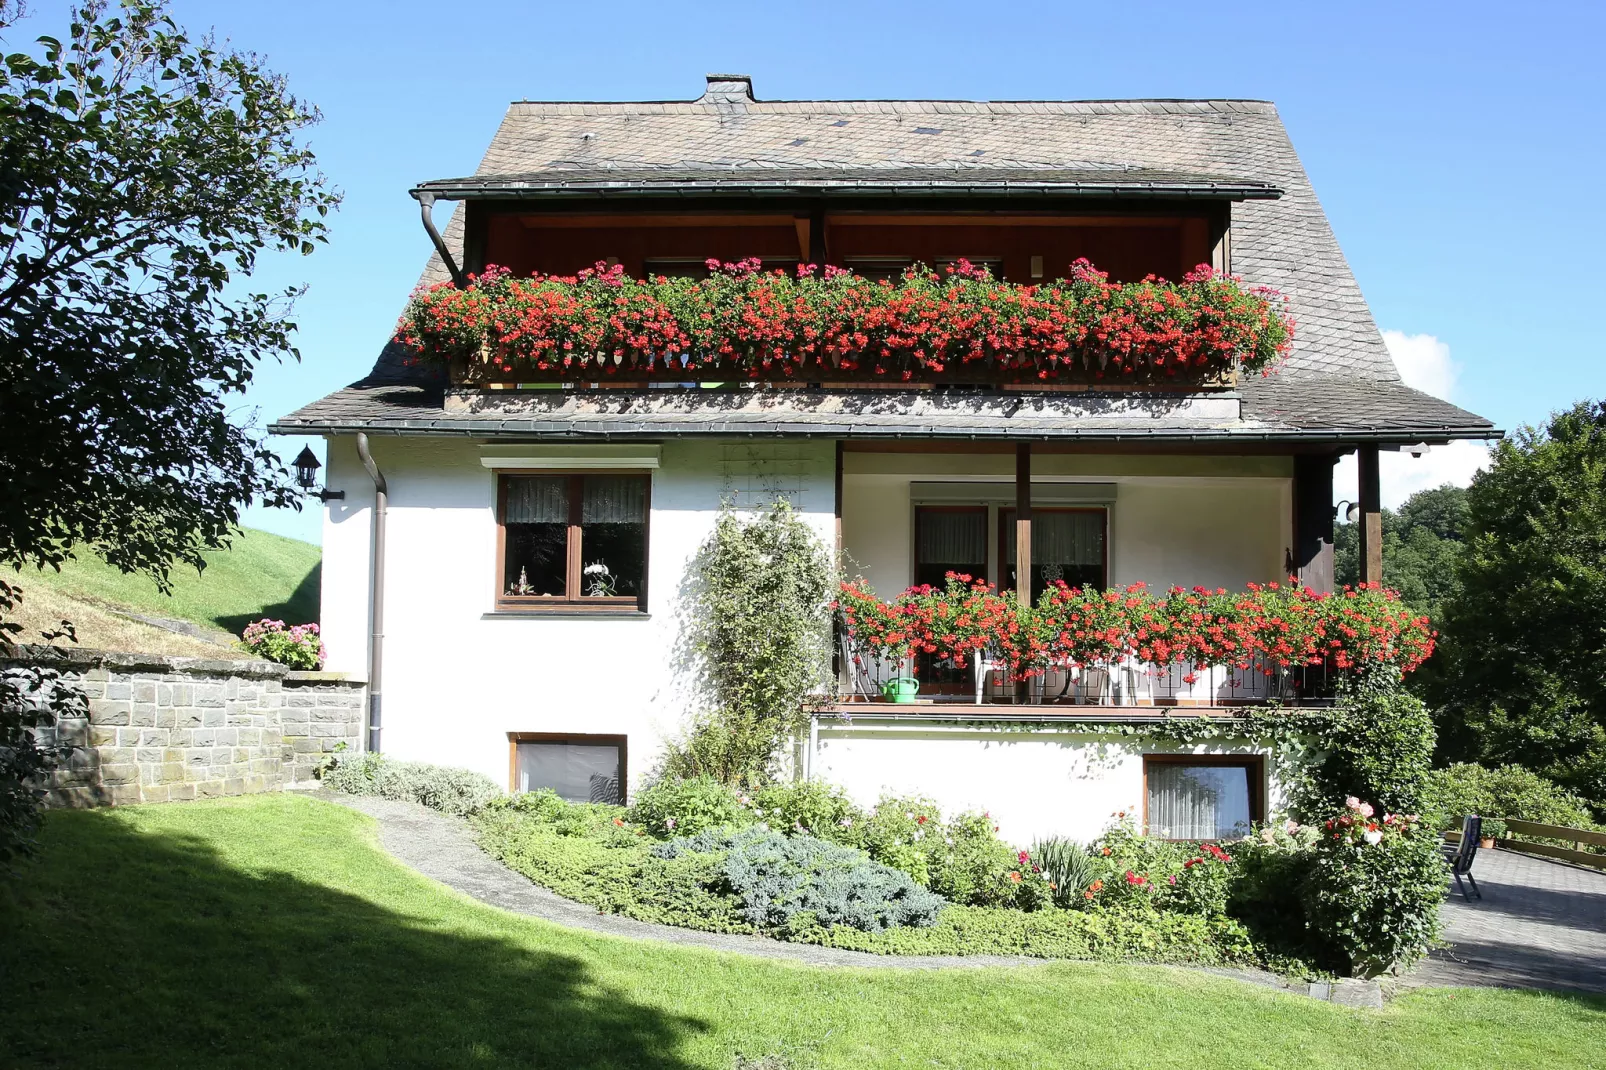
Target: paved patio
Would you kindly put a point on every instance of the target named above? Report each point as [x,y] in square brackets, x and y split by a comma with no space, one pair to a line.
[1540,924]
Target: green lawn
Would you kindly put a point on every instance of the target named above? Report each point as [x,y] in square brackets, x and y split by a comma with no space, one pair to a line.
[273,932]
[259,575]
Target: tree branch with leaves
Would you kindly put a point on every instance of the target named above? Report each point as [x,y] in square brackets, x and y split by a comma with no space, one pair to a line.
[143,174]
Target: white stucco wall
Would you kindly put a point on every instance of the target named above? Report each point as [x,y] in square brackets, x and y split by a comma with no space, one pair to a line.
[1034,782]
[457,676]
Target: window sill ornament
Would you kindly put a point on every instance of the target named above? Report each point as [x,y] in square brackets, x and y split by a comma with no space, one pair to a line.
[599,581]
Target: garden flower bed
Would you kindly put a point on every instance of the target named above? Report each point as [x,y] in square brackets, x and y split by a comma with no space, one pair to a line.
[974,895]
[747,323]
[799,861]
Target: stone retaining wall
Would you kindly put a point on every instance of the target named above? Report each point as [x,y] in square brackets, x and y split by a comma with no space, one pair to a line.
[160,728]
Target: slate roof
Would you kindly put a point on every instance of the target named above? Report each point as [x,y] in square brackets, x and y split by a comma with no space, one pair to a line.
[1338,383]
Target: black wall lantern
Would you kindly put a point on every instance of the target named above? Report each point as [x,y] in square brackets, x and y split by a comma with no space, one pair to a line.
[307,475]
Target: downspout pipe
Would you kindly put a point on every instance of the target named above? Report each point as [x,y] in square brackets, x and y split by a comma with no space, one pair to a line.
[376,594]
[426,209]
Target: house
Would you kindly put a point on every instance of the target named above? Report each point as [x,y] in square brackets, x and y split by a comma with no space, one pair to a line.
[488,644]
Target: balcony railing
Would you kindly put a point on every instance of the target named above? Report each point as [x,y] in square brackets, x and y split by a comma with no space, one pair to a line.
[867,677]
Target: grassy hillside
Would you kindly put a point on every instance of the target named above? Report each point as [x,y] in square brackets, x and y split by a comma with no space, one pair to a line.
[260,575]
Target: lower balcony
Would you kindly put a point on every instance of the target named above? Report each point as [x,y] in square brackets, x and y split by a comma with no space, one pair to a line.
[1128,688]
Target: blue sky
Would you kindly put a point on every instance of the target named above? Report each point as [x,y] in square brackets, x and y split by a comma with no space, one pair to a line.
[1457,148]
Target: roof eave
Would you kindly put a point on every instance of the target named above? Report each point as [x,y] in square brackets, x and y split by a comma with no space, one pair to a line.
[1433,436]
[458,190]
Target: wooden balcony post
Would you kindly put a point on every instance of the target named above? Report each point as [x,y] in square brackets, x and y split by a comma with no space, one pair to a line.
[816,252]
[1370,500]
[1313,521]
[1023,521]
[838,500]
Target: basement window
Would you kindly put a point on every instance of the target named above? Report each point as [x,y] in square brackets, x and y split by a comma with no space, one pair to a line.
[580,768]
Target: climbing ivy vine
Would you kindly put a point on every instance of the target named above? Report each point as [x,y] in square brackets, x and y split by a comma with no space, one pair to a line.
[760,628]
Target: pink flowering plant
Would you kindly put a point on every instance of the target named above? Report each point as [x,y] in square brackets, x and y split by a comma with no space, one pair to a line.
[1373,889]
[1360,825]
[298,646]
[747,322]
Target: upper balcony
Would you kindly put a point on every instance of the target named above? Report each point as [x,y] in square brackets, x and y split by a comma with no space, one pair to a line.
[677,319]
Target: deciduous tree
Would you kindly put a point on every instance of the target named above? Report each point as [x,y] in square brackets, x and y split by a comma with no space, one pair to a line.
[1525,632]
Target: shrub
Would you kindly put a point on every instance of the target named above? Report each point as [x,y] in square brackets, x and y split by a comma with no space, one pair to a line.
[906,834]
[686,807]
[1204,884]
[1055,934]
[779,879]
[1377,744]
[1273,866]
[812,806]
[1507,791]
[299,647]
[962,860]
[1130,869]
[449,790]
[591,854]
[979,869]
[1373,890]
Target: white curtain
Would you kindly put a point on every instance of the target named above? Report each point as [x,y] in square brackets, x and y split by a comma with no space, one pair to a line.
[537,500]
[952,538]
[578,772]
[1198,802]
[1062,538]
[614,500]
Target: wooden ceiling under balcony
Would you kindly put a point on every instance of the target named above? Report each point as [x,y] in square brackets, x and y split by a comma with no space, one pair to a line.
[1021,247]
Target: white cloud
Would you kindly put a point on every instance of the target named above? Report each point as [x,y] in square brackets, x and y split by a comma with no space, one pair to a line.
[1424,363]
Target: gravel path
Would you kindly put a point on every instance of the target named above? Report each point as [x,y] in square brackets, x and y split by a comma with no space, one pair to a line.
[442,848]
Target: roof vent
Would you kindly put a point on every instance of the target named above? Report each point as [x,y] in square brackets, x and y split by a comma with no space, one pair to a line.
[729,87]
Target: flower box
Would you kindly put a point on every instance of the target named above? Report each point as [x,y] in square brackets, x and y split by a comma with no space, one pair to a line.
[744,324]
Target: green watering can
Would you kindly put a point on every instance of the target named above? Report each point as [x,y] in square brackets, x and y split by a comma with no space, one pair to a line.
[900,689]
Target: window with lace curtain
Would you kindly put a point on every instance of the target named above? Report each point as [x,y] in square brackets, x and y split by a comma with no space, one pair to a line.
[1068,545]
[574,541]
[1202,797]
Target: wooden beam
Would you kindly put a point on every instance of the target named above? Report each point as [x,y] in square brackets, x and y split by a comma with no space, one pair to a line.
[818,246]
[988,219]
[682,219]
[1369,497]
[839,452]
[1313,521]
[1221,240]
[474,228]
[1023,521]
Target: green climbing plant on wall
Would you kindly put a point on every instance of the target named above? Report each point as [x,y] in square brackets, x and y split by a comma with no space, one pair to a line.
[760,628]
